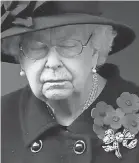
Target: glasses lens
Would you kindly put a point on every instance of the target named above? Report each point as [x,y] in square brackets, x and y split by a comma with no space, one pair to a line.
[69,48]
[35,50]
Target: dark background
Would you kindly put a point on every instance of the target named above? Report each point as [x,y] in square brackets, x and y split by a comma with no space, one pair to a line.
[127,60]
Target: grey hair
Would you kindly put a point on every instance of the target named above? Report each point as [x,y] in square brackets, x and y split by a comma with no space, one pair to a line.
[103,36]
[102,40]
[10,46]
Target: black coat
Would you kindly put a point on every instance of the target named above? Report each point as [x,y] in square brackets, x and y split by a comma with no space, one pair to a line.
[26,120]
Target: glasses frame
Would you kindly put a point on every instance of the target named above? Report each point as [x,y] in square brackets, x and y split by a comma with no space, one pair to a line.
[83,46]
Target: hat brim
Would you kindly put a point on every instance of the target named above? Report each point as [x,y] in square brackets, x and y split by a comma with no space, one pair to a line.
[125,35]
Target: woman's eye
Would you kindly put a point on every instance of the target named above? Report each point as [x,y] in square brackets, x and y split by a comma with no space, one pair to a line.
[68,44]
[36,48]
[39,48]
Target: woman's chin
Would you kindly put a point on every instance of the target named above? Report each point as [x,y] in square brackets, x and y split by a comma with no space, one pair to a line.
[58,94]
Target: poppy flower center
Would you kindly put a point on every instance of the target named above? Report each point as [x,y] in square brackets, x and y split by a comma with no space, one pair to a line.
[102,114]
[134,123]
[115,118]
[128,102]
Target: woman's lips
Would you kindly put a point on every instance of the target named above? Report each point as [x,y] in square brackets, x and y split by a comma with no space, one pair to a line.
[55,81]
[57,84]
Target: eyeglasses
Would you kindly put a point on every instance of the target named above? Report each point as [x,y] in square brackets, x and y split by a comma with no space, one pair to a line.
[66,48]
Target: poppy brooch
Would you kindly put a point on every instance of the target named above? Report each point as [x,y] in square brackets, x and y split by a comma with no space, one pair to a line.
[117,126]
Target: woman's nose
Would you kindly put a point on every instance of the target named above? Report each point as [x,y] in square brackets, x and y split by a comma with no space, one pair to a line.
[53,59]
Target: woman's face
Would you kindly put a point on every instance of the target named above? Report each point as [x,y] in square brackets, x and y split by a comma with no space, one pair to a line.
[54,76]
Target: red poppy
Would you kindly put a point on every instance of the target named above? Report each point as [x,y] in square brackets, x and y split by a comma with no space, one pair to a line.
[114,119]
[100,110]
[100,130]
[129,103]
[131,122]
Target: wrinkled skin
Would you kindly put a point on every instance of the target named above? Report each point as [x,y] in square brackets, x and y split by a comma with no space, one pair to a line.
[76,71]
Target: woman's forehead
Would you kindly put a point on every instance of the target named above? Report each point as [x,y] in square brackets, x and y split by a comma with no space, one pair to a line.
[63,32]
[69,31]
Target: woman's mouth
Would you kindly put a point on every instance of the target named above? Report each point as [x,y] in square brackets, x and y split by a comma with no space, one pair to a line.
[57,89]
[56,81]
[56,84]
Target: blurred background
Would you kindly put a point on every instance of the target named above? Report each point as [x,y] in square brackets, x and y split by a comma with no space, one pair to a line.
[127,60]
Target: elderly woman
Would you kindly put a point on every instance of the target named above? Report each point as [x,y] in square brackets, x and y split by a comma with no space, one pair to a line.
[76,108]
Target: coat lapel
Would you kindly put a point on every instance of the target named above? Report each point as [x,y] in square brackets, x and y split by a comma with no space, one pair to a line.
[35,116]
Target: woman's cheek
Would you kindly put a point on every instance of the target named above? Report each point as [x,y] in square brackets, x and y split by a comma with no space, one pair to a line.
[78,79]
[33,77]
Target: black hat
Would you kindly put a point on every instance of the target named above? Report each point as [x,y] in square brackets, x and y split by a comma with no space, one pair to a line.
[20,17]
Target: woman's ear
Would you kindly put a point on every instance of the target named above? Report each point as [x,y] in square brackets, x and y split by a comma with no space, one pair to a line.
[98,57]
[95,57]
[102,60]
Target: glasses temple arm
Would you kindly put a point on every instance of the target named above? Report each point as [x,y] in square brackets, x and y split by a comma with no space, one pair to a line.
[88,40]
